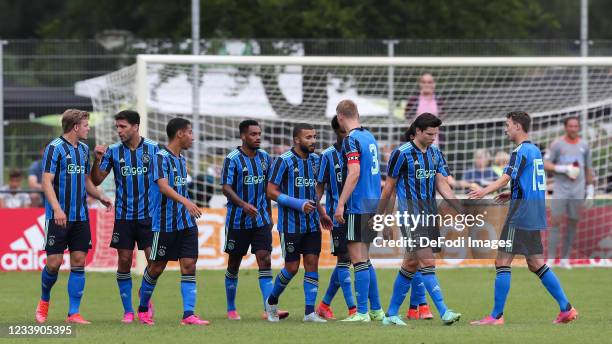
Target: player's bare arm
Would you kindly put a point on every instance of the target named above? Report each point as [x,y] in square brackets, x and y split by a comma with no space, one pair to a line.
[496,185]
[229,192]
[47,185]
[97,174]
[444,189]
[353,171]
[93,191]
[169,192]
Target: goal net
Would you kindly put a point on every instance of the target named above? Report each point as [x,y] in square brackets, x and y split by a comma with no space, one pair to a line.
[472,96]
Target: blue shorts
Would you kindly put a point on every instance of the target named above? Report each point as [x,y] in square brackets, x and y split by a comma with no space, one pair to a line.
[237,241]
[175,245]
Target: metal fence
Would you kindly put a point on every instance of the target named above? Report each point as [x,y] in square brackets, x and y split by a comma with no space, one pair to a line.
[39,75]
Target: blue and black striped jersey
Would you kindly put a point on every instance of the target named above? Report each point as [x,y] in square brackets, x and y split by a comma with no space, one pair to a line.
[360,147]
[248,178]
[70,166]
[330,173]
[528,187]
[415,172]
[133,171]
[296,177]
[169,215]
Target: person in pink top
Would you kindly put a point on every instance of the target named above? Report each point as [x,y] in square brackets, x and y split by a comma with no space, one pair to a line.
[425,101]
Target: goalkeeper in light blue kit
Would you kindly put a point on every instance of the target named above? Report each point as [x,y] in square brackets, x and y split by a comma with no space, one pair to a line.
[526,219]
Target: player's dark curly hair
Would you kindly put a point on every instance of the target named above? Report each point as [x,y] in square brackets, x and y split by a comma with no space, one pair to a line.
[522,118]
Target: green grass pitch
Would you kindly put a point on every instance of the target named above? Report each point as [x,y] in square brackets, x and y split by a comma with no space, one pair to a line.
[529,310]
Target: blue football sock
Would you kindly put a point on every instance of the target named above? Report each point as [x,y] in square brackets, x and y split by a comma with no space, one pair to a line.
[344,278]
[265,284]
[433,288]
[400,289]
[552,284]
[189,293]
[311,287]
[76,285]
[231,285]
[280,283]
[373,295]
[147,287]
[503,274]
[47,282]
[362,286]
[124,282]
[417,294]
[334,284]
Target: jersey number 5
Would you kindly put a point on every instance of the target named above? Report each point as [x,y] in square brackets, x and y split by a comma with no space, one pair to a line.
[374,152]
[539,176]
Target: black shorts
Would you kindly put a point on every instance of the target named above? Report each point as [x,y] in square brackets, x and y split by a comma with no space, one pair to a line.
[76,236]
[295,244]
[175,245]
[414,236]
[357,228]
[126,233]
[524,242]
[338,241]
[237,241]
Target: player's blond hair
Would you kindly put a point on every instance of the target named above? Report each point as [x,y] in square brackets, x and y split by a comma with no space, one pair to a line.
[72,117]
[347,108]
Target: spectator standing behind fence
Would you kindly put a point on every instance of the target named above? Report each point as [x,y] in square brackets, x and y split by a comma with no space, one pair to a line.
[35,182]
[10,195]
[425,101]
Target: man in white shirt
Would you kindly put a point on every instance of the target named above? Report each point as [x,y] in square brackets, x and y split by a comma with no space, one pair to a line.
[10,195]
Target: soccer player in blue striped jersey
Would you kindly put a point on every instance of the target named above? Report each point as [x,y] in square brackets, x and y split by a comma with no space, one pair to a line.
[66,183]
[357,204]
[175,234]
[329,180]
[525,221]
[249,214]
[416,170]
[131,161]
[418,307]
[292,185]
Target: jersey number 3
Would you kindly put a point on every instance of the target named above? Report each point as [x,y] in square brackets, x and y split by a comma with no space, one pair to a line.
[374,152]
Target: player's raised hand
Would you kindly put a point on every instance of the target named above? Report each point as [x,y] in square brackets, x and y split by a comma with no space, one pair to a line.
[193,209]
[250,210]
[59,217]
[309,207]
[502,197]
[326,222]
[99,151]
[339,215]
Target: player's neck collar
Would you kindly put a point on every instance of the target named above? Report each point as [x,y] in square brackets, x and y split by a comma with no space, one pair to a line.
[571,141]
[76,144]
[172,153]
[138,146]
[245,153]
[297,155]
